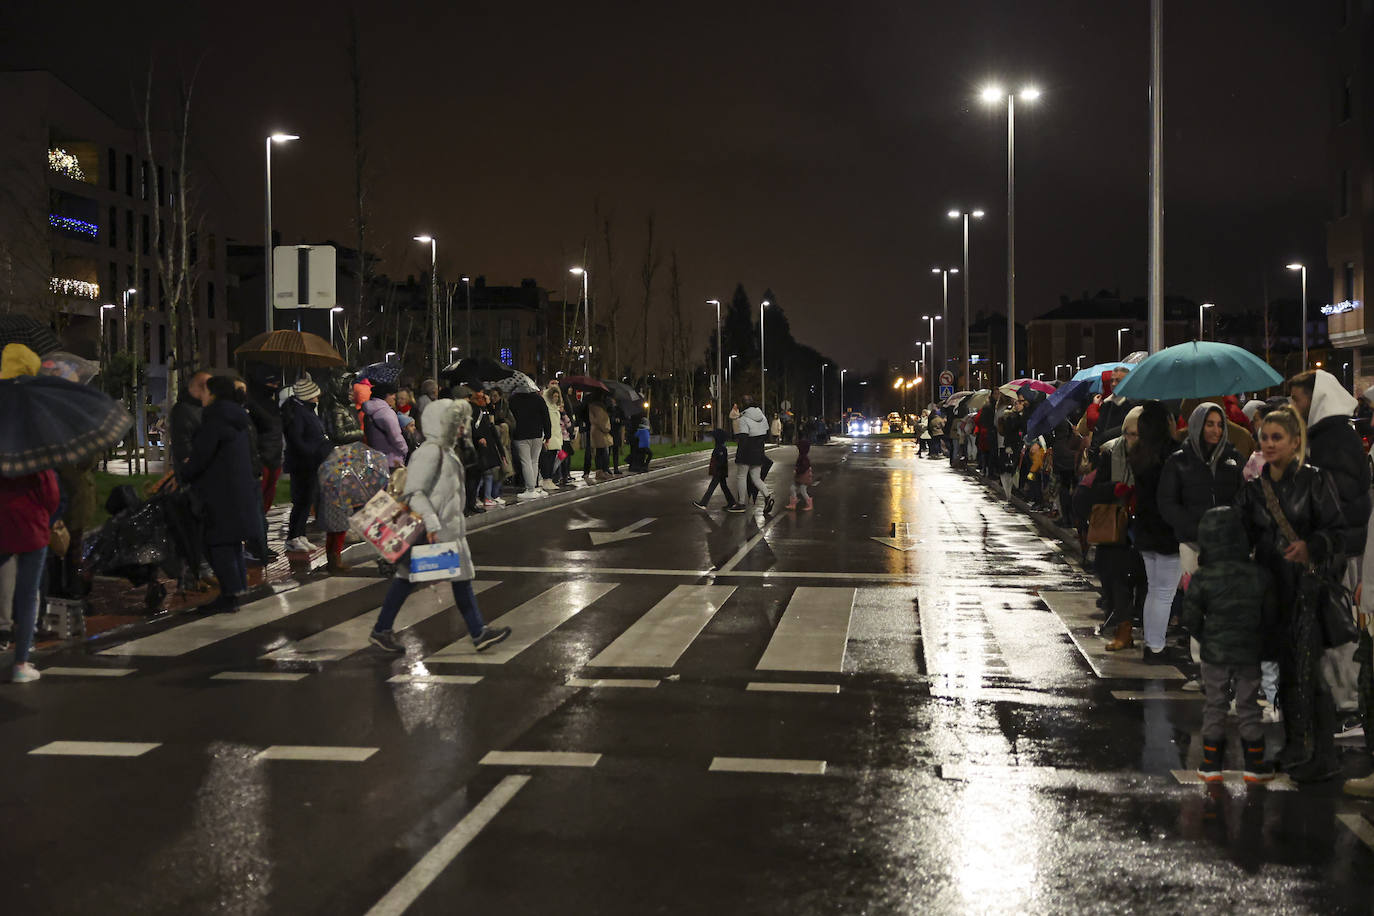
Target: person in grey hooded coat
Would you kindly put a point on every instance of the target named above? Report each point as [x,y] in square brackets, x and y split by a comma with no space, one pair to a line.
[434,491]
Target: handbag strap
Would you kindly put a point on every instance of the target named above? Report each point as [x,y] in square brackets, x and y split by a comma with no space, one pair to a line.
[1271,499]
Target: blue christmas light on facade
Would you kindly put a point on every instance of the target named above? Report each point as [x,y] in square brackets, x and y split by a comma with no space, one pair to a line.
[71,224]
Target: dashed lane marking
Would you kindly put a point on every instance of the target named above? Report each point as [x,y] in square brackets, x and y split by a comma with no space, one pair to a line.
[1359,826]
[792,688]
[94,749]
[60,671]
[539,759]
[778,765]
[260,676]
[316,752]
[612,682]
[422,874]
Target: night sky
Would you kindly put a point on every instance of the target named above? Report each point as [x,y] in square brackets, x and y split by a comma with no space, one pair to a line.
[808,147]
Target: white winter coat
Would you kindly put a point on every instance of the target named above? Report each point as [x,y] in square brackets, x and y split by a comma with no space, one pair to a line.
[434,480]
[753,423]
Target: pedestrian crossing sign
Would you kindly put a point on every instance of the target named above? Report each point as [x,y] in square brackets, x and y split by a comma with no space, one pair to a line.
[946,391]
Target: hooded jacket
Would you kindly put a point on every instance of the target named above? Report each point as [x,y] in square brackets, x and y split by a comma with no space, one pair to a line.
[802,472]
[220,469]
[600,432]
[306,443]
[267,421]
[753,430]
[1229,606]
[27,504]
[384,431]
[184,420]
[434,480]
[1335,447]
[1196,478]
[719,467]
[553,405]
[1111,414]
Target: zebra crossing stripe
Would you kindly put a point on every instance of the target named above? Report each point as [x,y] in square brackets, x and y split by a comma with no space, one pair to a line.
[94,749]
[658,639]
[813,631]
[198,634]
[529,623]
[777,765]
[351,636]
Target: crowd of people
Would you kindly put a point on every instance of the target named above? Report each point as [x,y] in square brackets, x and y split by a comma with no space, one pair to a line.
[1238,527]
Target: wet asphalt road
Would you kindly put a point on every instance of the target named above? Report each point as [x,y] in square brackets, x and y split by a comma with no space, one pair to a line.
[908,650]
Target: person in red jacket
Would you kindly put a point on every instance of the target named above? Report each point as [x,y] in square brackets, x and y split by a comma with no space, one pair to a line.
[27,504]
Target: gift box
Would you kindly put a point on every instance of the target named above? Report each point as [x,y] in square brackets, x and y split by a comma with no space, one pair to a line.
[435,562]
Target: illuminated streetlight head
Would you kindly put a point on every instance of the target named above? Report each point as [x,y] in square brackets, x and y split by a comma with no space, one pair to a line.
[935,270]
[464,279]
[337,308]
[953,214]
[954,270]
[912,383]
[283,138]
[977,214]
[576,271]
[764,304]
[993,94]
[715,302]
[1294,266]
[898,384]
[1030,94]
[1208,305]
[424,238]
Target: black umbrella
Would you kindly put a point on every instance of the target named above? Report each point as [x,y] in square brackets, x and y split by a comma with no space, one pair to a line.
[49,422]
[22,329]
[583,382]
[474,370]
[631,402]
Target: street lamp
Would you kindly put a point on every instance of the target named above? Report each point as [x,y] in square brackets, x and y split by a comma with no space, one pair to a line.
[844,421]
[1206,305]
[968,350]
[1119,332]
[1079,362]
[467,288]
[127,293]
[995,94]
[932,365]
[267,242]
[719,377]
[586,313]
[433,300]
[944,273]
[387,358]
[107,305]
[823,368]
[729,378]
[337,308]
[762,365]
[1303,269]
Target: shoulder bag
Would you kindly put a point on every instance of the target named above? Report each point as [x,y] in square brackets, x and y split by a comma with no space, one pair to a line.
[1107,524]
[1334,603]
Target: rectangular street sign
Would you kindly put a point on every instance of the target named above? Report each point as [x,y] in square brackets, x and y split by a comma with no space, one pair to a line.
[303,277]
[946,391]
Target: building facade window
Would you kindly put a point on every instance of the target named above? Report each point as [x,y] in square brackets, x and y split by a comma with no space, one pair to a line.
[111,169]
[146,232]
[1347,98]
[1343,194]
[128,175]
[143,180]
[209,300]
[162,344]
[1348,281]
[147,278]
[129,230]
[112,227]
[507,356]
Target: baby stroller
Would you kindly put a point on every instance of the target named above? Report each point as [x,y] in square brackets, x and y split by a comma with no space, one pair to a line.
[145,537]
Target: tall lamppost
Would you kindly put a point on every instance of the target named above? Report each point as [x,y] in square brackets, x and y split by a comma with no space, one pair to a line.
[586,313]
[103,308]
[720,379]
[763,367]
[968,350]
[335,309]
[1303,269]
[1200,332]
[1119,332]
[267,241]
[433,300]
[996,94]
[823,368]
[931,365]
[944,273]
[844,415]
[467,286]
[1078,361]
[729,379]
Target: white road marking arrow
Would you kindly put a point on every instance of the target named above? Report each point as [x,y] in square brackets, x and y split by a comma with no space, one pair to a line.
[902,544]
[621,534]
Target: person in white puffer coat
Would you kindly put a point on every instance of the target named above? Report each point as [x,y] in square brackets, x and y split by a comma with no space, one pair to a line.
[753,433]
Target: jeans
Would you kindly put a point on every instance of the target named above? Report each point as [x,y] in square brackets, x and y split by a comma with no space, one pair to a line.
[1216,700]
[724,488]
[28,575]
[304,486]
[227,562]
[400,590]
[1161,581]
[1269,680]
[486,487]
[527,450]
[799,492]
[745,473]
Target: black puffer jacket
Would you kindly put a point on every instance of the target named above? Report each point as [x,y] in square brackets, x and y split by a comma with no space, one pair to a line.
[220,468]
[1149,529]
[1196,478]
[1335,447]
[267,422]
[1230,606]
[1308,498]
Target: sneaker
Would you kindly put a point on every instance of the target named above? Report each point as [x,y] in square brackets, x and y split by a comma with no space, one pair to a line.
[1213,753]
[23,673]
[489,503]
[1349,726]
[1231,711]
[541,493]
[6,640]
[737,507]
[1193,685]
[489,637]
[386,641]
[1363,787]
[1152,657]
[299,545]
[699,504]
[791,503]
[1271,715]
[526,494]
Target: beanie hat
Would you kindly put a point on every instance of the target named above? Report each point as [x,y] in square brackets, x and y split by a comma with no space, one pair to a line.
[17,360]
[305,388]
[1251,408]
[382,389]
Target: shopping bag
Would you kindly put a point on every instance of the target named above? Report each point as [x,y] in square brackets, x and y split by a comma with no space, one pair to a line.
[435,562]
[387,525]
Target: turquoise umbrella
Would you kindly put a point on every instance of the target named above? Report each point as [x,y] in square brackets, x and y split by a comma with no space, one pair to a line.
[1197,369]
[1093,375]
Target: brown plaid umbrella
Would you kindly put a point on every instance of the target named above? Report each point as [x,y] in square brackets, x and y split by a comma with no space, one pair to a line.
[291,349]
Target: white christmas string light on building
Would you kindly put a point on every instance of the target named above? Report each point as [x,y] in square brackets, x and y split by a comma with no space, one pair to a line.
[63,162]
[64,286]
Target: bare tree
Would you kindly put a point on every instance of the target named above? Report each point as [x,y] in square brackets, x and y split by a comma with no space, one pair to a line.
[613,300]
[360,170]
[648,269]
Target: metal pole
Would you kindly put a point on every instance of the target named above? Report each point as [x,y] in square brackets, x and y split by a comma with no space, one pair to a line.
[944,315]
[823,365]
[467,285]
[1199,323]
[720,378]
[267,245]
[1304,319]
[968,351]
[1156,326]
[844,421]
[433,306]
[1011,235]
[762,364]
[587,318]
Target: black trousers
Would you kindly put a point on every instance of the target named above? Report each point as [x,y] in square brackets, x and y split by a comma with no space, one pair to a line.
[304,486]
[1123,582]
[724,488]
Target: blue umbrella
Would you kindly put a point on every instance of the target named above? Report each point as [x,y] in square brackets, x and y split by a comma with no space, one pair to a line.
[1056,408]
[1197,369]
[386,373]
[1093,374]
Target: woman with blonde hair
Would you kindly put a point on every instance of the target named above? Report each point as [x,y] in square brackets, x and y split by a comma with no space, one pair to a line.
[1294,520]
